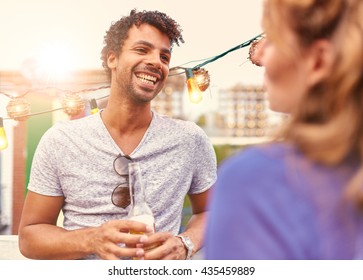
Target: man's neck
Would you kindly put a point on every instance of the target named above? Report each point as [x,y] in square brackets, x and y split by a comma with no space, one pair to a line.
[127,126]
[126,119]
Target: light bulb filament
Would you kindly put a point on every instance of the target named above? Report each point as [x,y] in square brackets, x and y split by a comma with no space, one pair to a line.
[195,95]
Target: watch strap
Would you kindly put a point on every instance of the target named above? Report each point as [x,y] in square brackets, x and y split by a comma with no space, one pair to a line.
[188,244]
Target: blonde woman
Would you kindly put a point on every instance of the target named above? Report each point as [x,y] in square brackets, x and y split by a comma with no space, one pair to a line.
[300,197]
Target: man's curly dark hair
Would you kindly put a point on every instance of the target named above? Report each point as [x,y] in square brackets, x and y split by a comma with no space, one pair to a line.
[117,34]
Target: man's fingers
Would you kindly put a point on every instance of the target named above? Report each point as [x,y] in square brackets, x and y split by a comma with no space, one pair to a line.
[130,239]
[121,252]
[159,237]
[132,226]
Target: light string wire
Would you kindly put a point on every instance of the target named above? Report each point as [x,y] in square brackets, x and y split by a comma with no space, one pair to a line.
[240,46]
[214,58]
[180,67]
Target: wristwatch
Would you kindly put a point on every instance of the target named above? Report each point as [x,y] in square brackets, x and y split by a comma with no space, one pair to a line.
[188,244]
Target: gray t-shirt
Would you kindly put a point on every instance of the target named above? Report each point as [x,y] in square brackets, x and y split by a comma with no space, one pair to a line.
[75,158]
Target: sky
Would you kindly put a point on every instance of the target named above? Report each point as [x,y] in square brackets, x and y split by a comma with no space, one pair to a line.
[68,34]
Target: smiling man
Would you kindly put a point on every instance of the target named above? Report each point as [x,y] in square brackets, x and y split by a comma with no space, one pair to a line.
[76,165]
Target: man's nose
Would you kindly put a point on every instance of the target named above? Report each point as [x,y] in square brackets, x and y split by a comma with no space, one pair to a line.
[154,60]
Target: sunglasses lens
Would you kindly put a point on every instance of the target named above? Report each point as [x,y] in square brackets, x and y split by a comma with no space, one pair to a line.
[121,196]
[121,165]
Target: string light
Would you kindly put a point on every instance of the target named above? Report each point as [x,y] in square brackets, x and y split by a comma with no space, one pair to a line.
[73,104]
[198,81]
[195,95]
[255,51]
[3,139]
[194,89]
[94,107]
[18,109]
[202,78]
[244,44]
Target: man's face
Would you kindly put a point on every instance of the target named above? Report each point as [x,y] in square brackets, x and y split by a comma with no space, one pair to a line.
[142,67]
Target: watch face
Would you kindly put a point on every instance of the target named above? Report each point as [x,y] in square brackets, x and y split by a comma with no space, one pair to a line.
[188,243]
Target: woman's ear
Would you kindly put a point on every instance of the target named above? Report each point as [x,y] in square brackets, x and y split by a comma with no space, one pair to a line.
[111,60]
[320,61]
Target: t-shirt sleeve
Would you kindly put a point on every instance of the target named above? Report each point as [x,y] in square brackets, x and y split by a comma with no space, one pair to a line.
[203,157]
[43,175]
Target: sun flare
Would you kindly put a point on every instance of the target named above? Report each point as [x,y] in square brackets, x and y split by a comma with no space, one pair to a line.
[55,62]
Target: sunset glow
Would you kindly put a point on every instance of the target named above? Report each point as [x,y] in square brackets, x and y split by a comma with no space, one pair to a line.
[54,62]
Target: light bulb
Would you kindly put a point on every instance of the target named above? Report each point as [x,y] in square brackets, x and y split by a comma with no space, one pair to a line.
[255,52]
[202,78]
[195,95]
[3,140]
[18,109]
[73,104]
[94,107]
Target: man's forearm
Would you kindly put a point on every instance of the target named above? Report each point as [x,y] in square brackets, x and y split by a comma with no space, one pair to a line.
[43,241]
[195,230]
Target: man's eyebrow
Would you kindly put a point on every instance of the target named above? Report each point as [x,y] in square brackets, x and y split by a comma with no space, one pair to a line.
[148,44]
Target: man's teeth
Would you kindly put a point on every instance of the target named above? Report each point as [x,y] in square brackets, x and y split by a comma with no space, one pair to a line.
[147,78]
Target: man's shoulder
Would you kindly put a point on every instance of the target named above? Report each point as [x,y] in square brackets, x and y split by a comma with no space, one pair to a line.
[66,128]
[179,126]
[75,123]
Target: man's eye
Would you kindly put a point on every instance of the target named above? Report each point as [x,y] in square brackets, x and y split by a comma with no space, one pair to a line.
[165,58]
[141,50]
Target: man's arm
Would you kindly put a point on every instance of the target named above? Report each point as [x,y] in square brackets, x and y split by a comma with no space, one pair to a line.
[196,225]
[40,238]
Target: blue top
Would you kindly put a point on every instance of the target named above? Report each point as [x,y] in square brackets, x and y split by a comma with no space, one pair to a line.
[270,202]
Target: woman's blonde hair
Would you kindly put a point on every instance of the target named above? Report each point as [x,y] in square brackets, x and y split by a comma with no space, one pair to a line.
[328,125]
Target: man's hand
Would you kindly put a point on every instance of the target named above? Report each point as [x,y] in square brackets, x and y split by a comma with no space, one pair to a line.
[108,239]
[168,247]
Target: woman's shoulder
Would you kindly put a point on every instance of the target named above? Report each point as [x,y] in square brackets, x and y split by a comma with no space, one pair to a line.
[262,155]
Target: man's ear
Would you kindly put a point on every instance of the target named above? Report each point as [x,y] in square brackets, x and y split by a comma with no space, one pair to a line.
[320,61]
[111,60]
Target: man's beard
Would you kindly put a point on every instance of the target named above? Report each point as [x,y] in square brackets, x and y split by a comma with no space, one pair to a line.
[139,96]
